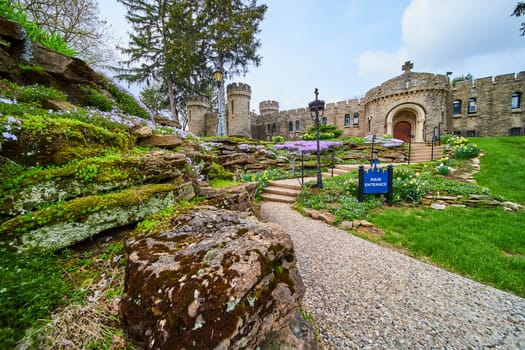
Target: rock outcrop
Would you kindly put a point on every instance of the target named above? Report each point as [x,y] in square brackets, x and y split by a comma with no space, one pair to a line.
[57,69]
[217,279]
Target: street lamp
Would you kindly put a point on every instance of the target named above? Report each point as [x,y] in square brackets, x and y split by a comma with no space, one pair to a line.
[218,75]
[317,111]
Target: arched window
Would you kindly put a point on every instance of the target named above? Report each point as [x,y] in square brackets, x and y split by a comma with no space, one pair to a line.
[274,128]
[324,121]
[297,125]
[456,107]
[472,106]
[290,126]
[356,118]
[347,120]
[516,100]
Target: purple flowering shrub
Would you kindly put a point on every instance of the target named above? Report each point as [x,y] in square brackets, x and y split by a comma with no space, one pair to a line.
[307,146]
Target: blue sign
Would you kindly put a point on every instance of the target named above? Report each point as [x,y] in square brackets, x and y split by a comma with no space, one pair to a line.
[375,180]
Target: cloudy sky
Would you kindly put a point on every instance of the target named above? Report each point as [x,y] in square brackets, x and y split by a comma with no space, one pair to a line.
[346,47]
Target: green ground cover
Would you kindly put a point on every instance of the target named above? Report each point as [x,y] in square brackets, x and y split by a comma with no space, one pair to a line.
[503,166]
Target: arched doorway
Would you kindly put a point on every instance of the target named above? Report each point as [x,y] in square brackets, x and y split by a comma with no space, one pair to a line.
[406,119]
[402,131]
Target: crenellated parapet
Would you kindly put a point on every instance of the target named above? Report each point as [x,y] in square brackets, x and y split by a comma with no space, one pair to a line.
[198,101]
[240,89]
[489,83]
[268,107]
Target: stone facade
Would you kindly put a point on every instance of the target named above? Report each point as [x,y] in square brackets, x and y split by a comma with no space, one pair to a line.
[416,105]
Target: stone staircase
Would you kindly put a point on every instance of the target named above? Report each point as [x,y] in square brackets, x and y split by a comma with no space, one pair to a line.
[286,191]
[422,152]
[283,191]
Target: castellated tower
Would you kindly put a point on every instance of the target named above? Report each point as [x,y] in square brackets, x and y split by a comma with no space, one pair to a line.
[238,107]
[197,109]
[268,107]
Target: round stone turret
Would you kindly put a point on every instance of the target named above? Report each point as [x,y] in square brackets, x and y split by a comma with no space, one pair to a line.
[197,108]
[268,107]
[238,109]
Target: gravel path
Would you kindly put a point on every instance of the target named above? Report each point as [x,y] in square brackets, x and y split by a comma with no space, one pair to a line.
[364,296]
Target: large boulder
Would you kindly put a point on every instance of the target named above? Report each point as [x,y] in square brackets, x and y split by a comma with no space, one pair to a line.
[217,279]
[239,198]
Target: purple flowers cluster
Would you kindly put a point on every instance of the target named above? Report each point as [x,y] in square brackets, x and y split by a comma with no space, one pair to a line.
[12,124]
[307,146]
[385,141]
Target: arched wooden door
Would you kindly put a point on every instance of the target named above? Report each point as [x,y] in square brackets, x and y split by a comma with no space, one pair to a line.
[402,131]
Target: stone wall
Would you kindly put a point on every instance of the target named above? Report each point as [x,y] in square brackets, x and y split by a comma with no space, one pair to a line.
[423,99]
[494,115]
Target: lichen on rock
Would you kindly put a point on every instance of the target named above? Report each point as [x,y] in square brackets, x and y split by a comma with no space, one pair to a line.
[216,279]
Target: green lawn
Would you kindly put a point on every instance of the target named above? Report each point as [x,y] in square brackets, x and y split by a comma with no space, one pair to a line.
[503,166]
[487,245]
[484,244]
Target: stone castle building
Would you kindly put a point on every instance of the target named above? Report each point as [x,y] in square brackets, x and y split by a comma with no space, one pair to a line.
[414,104]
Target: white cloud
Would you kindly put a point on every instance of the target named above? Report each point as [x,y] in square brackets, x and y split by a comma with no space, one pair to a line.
[458,35]
[378,66]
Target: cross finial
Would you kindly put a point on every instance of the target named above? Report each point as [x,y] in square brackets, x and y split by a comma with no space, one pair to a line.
[316,92]
[407,66]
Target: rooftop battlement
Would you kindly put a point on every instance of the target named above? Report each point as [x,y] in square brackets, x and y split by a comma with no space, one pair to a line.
[239,87]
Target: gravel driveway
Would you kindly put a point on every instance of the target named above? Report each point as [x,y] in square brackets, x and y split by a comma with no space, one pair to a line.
[364,296]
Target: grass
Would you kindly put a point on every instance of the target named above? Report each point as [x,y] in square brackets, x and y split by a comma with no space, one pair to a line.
[502,166]
[487,245]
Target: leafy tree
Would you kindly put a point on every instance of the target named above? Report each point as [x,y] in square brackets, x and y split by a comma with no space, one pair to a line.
[461,78]
[520,11]
[165,46]
[154,99]
[181,42]
[77,21]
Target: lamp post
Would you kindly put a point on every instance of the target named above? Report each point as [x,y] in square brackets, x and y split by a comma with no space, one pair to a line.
[218,75]
[317,111]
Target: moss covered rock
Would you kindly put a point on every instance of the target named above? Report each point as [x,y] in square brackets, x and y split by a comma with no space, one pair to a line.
[45,140]
[99,175]
[217,279]
[64,224]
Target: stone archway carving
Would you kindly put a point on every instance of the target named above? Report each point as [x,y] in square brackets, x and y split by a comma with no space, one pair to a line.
[417,122]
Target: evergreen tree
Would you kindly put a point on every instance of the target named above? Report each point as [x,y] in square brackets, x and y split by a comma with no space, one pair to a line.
[165,47]
[181,42]
[520,11]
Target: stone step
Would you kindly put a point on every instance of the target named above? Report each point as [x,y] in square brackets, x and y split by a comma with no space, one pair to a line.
[293,184]
[284,191]
[277,198]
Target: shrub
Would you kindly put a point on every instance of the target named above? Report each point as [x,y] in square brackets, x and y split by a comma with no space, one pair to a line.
[466,151]
[98,100]
[443,169]
[277,139]
[407,185]
[325,132]
[38,94]
[217,171]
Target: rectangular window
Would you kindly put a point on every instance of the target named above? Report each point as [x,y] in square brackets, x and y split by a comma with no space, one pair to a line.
[457,133]
[516,100]
[456,107]
[515,132]
[356,118]
[471,133]
[472,106]
[347,120]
